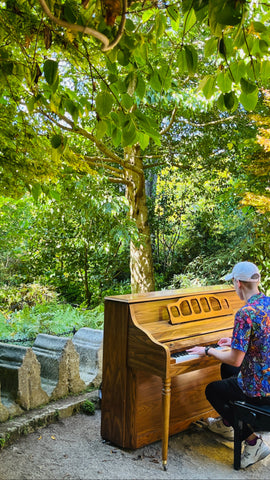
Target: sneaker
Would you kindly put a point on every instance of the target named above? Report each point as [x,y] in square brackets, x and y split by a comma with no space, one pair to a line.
[216,425]
[254,453]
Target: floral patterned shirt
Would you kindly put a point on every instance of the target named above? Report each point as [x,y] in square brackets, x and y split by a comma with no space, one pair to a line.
[251,335]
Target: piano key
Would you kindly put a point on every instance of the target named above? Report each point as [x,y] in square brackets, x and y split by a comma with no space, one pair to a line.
[185,356]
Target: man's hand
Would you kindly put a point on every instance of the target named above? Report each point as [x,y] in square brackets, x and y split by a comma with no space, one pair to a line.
[225,342]
[196,351]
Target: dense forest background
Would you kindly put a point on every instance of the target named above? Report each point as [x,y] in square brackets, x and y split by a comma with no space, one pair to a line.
[139,166]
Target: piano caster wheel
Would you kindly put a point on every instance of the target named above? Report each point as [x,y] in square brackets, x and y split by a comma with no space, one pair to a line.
[165,467]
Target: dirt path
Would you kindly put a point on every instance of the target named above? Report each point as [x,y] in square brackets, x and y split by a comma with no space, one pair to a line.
[73,449]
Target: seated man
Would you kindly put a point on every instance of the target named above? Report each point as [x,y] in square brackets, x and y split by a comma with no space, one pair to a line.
[249,351]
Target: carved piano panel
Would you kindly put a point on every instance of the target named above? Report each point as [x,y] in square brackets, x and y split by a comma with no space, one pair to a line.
[141,332]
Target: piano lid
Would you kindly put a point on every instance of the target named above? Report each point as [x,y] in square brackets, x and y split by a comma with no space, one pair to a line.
[164,294]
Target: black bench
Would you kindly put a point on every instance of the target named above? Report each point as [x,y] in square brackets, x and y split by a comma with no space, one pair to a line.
[258,417]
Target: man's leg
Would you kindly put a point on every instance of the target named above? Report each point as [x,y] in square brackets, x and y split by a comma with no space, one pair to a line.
[220,393]
[227,371]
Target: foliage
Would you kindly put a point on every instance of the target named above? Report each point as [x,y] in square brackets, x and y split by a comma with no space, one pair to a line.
[51,318]
[15,298]
[88,407]
[91,107]
[197,210]
[257,165]
[76,241]
[186,280]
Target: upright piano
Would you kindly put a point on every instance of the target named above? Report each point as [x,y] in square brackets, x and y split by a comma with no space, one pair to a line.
[151,388]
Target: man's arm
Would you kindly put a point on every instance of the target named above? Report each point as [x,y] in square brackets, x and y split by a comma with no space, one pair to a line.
[231,356]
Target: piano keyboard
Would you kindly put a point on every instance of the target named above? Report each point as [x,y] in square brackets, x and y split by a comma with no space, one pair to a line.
[184,355]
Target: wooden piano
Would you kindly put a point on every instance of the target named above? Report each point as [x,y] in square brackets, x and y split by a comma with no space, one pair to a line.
[147,392]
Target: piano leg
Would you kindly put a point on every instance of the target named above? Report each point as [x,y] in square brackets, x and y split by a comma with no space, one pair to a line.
[166,403]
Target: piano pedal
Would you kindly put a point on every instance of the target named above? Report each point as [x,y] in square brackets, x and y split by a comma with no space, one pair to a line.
[226,443]
[200,424]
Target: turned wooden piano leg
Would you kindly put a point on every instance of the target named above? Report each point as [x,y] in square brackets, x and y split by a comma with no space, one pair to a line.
[166,403]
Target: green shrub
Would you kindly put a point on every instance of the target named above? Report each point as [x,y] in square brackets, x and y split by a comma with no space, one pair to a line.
[88,407]
[52,318]
[15,298]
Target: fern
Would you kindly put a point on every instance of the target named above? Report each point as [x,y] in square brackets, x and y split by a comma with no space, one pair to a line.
[51,318]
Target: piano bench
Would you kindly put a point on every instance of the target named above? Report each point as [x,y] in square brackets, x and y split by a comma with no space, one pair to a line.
[258,417]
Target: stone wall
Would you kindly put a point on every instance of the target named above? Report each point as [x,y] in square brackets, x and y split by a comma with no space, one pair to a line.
[53,368]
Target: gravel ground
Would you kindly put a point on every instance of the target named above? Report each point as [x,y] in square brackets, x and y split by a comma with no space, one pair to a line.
[73,449]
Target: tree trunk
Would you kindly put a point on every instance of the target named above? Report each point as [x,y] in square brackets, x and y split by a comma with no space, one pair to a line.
[141,261]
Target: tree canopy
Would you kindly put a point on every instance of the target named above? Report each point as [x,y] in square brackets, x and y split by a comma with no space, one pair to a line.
[101,86]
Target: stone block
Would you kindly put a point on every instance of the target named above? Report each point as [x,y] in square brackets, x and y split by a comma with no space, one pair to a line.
[89,344]
[20,377]
[59,366]
[4,413]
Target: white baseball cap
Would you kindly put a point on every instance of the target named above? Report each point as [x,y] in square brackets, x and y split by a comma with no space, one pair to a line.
[245,271]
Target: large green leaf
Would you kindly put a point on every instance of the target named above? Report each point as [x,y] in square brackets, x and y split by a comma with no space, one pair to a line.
[129,134]
[123,57]
[72,109]
[127,101]
[165,75]
[230,101]
[155,82]
[249,102]
[265,70]
[224,82]
[50,69]
[143,140]
[189,20]
[147,14]
[104,103]
[36,191]
[101,129]
[207,85]
[211,46]
[140,88]
[56,141]
[191,59]
[247,86]
[259,27]
[182,61]
[160,25]
[238,70]
[224,12]
[227,101]
[116,136]
[173,12]
[148,125]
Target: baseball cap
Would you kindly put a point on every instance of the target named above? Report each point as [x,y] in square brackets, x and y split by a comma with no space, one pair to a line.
[245,271]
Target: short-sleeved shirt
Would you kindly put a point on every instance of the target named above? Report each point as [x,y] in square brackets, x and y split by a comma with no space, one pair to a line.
[251,335]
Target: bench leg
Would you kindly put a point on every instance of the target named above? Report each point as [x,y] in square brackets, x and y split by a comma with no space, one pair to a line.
[237,443]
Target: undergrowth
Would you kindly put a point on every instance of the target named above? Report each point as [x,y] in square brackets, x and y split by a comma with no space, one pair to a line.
[52,318]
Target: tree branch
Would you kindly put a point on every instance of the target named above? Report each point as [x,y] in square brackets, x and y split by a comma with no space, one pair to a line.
[166,129]
[87,30]
[98,163]
[120,30]
[120,181]
[109,155]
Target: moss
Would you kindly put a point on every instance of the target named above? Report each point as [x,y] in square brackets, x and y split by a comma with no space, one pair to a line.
[2,443]
[88,407]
